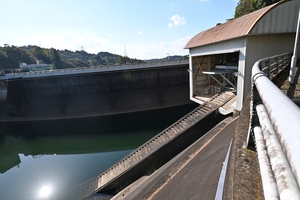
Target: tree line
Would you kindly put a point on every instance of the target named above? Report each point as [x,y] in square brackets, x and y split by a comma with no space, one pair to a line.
[247,6]
[11,56]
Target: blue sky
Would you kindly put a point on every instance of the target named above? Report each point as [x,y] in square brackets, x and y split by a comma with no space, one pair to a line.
[145,28]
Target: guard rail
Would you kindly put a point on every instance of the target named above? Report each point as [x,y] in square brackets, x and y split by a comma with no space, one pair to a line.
[275,127]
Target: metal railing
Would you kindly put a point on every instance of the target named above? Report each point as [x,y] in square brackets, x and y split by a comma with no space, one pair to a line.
[271,66]
[275,127]
[93,69]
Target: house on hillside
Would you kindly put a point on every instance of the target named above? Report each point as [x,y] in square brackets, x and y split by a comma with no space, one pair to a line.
[223,56]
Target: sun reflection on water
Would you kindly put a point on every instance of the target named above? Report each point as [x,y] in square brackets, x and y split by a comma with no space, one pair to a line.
[45,191]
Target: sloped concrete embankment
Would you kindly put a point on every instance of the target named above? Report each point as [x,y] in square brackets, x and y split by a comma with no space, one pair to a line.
[167,144]
[164,153]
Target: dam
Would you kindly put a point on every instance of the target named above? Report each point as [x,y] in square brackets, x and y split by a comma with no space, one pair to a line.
[98,97]
[95,92]
[194,172]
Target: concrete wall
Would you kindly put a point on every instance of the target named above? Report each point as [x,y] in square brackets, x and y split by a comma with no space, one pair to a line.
[97,94]
[263,46]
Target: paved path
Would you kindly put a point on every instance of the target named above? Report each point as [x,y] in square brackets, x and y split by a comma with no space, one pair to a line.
[194,173]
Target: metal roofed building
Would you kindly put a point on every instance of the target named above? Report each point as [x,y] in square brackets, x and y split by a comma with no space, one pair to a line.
[223,56]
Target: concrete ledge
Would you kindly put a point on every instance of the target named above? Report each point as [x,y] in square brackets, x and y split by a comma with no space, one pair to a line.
[243,179]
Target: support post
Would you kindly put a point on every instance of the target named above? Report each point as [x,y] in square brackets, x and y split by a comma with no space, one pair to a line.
[294,58]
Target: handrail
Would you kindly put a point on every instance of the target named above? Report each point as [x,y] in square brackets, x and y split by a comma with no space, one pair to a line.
[271,66]
[285,120]
[94,69]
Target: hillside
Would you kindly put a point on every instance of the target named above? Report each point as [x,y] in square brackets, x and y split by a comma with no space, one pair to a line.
[11,56]
[169,58]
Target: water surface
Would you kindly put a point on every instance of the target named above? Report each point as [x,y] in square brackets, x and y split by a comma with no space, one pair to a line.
[45,166]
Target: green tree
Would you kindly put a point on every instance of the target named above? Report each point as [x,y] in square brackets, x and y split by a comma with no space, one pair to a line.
[96,60]
[263,3]
[11,56]
[122,60]
[57,61]
[55,57]
[244,7]
[77,62]
[40,54]
[247,6]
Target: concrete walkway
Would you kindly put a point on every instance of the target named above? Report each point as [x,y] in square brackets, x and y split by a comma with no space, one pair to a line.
[192,174]
[292,91]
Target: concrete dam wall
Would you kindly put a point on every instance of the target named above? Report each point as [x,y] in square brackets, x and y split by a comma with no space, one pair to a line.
[95,94]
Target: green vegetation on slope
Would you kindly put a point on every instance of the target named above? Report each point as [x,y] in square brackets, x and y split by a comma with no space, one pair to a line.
[247,6]
[11,56]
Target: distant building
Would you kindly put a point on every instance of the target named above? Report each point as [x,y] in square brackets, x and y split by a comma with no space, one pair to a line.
[33,67]
[230,49]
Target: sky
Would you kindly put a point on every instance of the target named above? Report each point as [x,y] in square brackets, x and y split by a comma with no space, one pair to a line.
[141,29]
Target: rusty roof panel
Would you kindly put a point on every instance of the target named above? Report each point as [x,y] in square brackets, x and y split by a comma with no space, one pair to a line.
[232,29]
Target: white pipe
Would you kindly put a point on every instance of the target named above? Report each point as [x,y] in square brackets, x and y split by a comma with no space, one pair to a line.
[268,181]
[294,58]
[286,183]
[284,115]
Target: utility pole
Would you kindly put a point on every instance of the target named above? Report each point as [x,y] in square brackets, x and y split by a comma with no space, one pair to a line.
[125,53]
[82,52]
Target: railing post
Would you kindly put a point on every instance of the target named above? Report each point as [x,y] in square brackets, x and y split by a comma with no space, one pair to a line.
[294,58]
[267,65]
[276,65]
[282,62]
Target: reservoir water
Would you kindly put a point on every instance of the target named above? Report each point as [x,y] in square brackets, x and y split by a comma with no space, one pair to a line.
[47,160]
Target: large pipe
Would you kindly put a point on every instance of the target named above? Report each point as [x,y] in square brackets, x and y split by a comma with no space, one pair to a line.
[294,58]
[285,180]
[268,181]
[285,117]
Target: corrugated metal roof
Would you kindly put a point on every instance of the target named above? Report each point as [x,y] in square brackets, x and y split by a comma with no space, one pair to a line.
[232,29]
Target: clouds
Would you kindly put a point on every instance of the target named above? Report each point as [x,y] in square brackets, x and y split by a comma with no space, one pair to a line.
[132,24]
[145,49]
[157,49]
[176,21]
[71,42]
